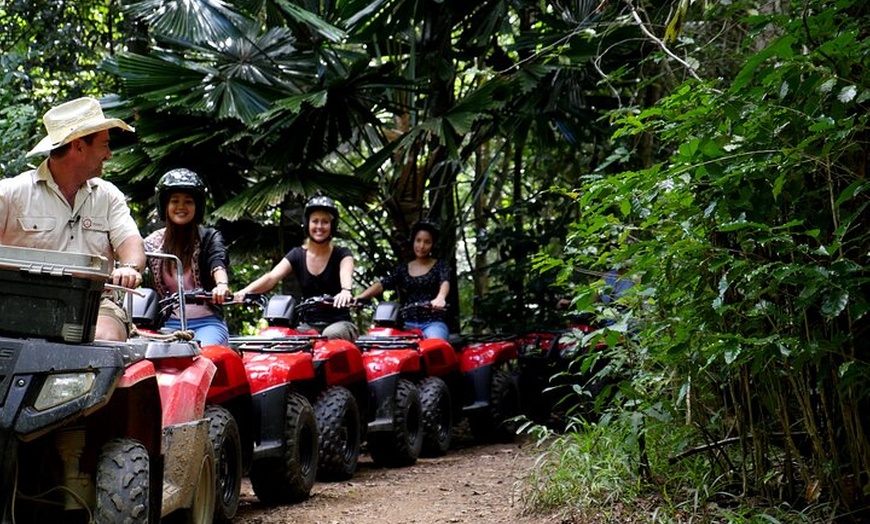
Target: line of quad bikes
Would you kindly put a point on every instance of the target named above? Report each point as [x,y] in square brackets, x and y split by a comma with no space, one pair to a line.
[158,427]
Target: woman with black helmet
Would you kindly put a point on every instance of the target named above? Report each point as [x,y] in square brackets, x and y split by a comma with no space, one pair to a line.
[203,254]
[320,267]
[425,279]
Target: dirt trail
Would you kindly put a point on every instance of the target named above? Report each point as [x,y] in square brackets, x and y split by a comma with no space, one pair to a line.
[471,484]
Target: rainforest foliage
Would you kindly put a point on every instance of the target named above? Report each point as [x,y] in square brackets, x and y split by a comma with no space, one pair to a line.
[713,153]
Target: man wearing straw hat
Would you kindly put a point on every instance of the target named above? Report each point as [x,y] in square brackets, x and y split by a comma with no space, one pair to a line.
[65,205]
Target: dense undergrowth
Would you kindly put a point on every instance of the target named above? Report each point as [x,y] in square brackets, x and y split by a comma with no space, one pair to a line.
[743,388]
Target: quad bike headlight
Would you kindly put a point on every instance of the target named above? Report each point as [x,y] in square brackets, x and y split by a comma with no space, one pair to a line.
[64,387]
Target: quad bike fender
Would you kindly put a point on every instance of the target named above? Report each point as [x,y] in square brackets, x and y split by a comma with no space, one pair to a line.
[382,392]
[142,370]
[183,390]
[268,370]
[270,412]
[380,363]
[186,445]
[131,413]
[481,354]
[439,357]
[339,362]
[8,457]
[477,386]
[230,379]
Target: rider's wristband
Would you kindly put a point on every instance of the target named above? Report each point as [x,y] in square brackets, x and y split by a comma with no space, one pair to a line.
[221,283]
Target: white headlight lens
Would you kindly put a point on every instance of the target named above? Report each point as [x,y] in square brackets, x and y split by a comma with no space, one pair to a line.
[64,388]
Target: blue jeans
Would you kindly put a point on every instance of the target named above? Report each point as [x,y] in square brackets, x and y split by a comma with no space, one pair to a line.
[210,330]
[433,329]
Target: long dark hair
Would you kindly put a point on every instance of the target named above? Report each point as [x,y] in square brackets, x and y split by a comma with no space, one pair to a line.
[180,240]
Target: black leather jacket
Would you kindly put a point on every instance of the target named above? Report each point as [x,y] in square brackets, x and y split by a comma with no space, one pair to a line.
[212,254]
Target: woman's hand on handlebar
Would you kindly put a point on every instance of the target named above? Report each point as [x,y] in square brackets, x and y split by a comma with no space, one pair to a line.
[221,293]
[438,303]
[344,298]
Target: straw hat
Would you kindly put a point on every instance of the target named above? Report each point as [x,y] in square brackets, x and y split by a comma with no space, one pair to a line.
[74,119]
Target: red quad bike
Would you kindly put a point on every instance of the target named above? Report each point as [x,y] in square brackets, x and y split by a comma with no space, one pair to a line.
[337,388]
[259,424]
[93,431]
[466,378]
[277,431]
[387,413]
[229,407]
[554,364]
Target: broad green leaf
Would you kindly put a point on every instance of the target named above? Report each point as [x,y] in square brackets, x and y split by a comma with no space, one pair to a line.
[847,94]
[779,48]
[319,26]
[835,302]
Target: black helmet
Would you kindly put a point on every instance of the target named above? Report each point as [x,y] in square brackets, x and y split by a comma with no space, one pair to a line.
[183,180]
[320,203]
[425,225]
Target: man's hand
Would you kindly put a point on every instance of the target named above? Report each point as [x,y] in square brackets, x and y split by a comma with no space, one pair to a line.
[126,276]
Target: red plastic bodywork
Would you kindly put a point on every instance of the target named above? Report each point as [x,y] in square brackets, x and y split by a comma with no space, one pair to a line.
[282,331]
[183,385]
[341,360]
[344,363]
[136,373]
[543,341]
[480,354]
[231,379]
[438,355]
[266,370]
[383,362]
[384,331]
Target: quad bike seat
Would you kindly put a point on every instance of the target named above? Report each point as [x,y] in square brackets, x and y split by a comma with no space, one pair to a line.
[281,311]
[146,309]
[387,315]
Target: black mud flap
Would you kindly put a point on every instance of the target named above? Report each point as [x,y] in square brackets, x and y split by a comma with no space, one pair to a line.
[8,454]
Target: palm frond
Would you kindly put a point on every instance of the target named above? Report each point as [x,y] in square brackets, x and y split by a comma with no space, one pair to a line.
[313,21]
[191,20]
[272,190]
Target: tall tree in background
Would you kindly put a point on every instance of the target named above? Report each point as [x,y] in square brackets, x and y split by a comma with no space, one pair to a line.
[747,239]
[732,185]
[50,52]
[388,103]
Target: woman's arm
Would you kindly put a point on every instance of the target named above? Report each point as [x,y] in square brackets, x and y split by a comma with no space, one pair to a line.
[217,262]
[266,282]
[440,300]
[221,285]
[373,290]
[345,276]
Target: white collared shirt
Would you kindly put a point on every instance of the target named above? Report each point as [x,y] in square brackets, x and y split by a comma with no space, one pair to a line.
[35,214]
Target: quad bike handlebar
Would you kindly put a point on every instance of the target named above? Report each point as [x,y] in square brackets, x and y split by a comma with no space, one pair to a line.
[201,296]
[422,306]
[324,301]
